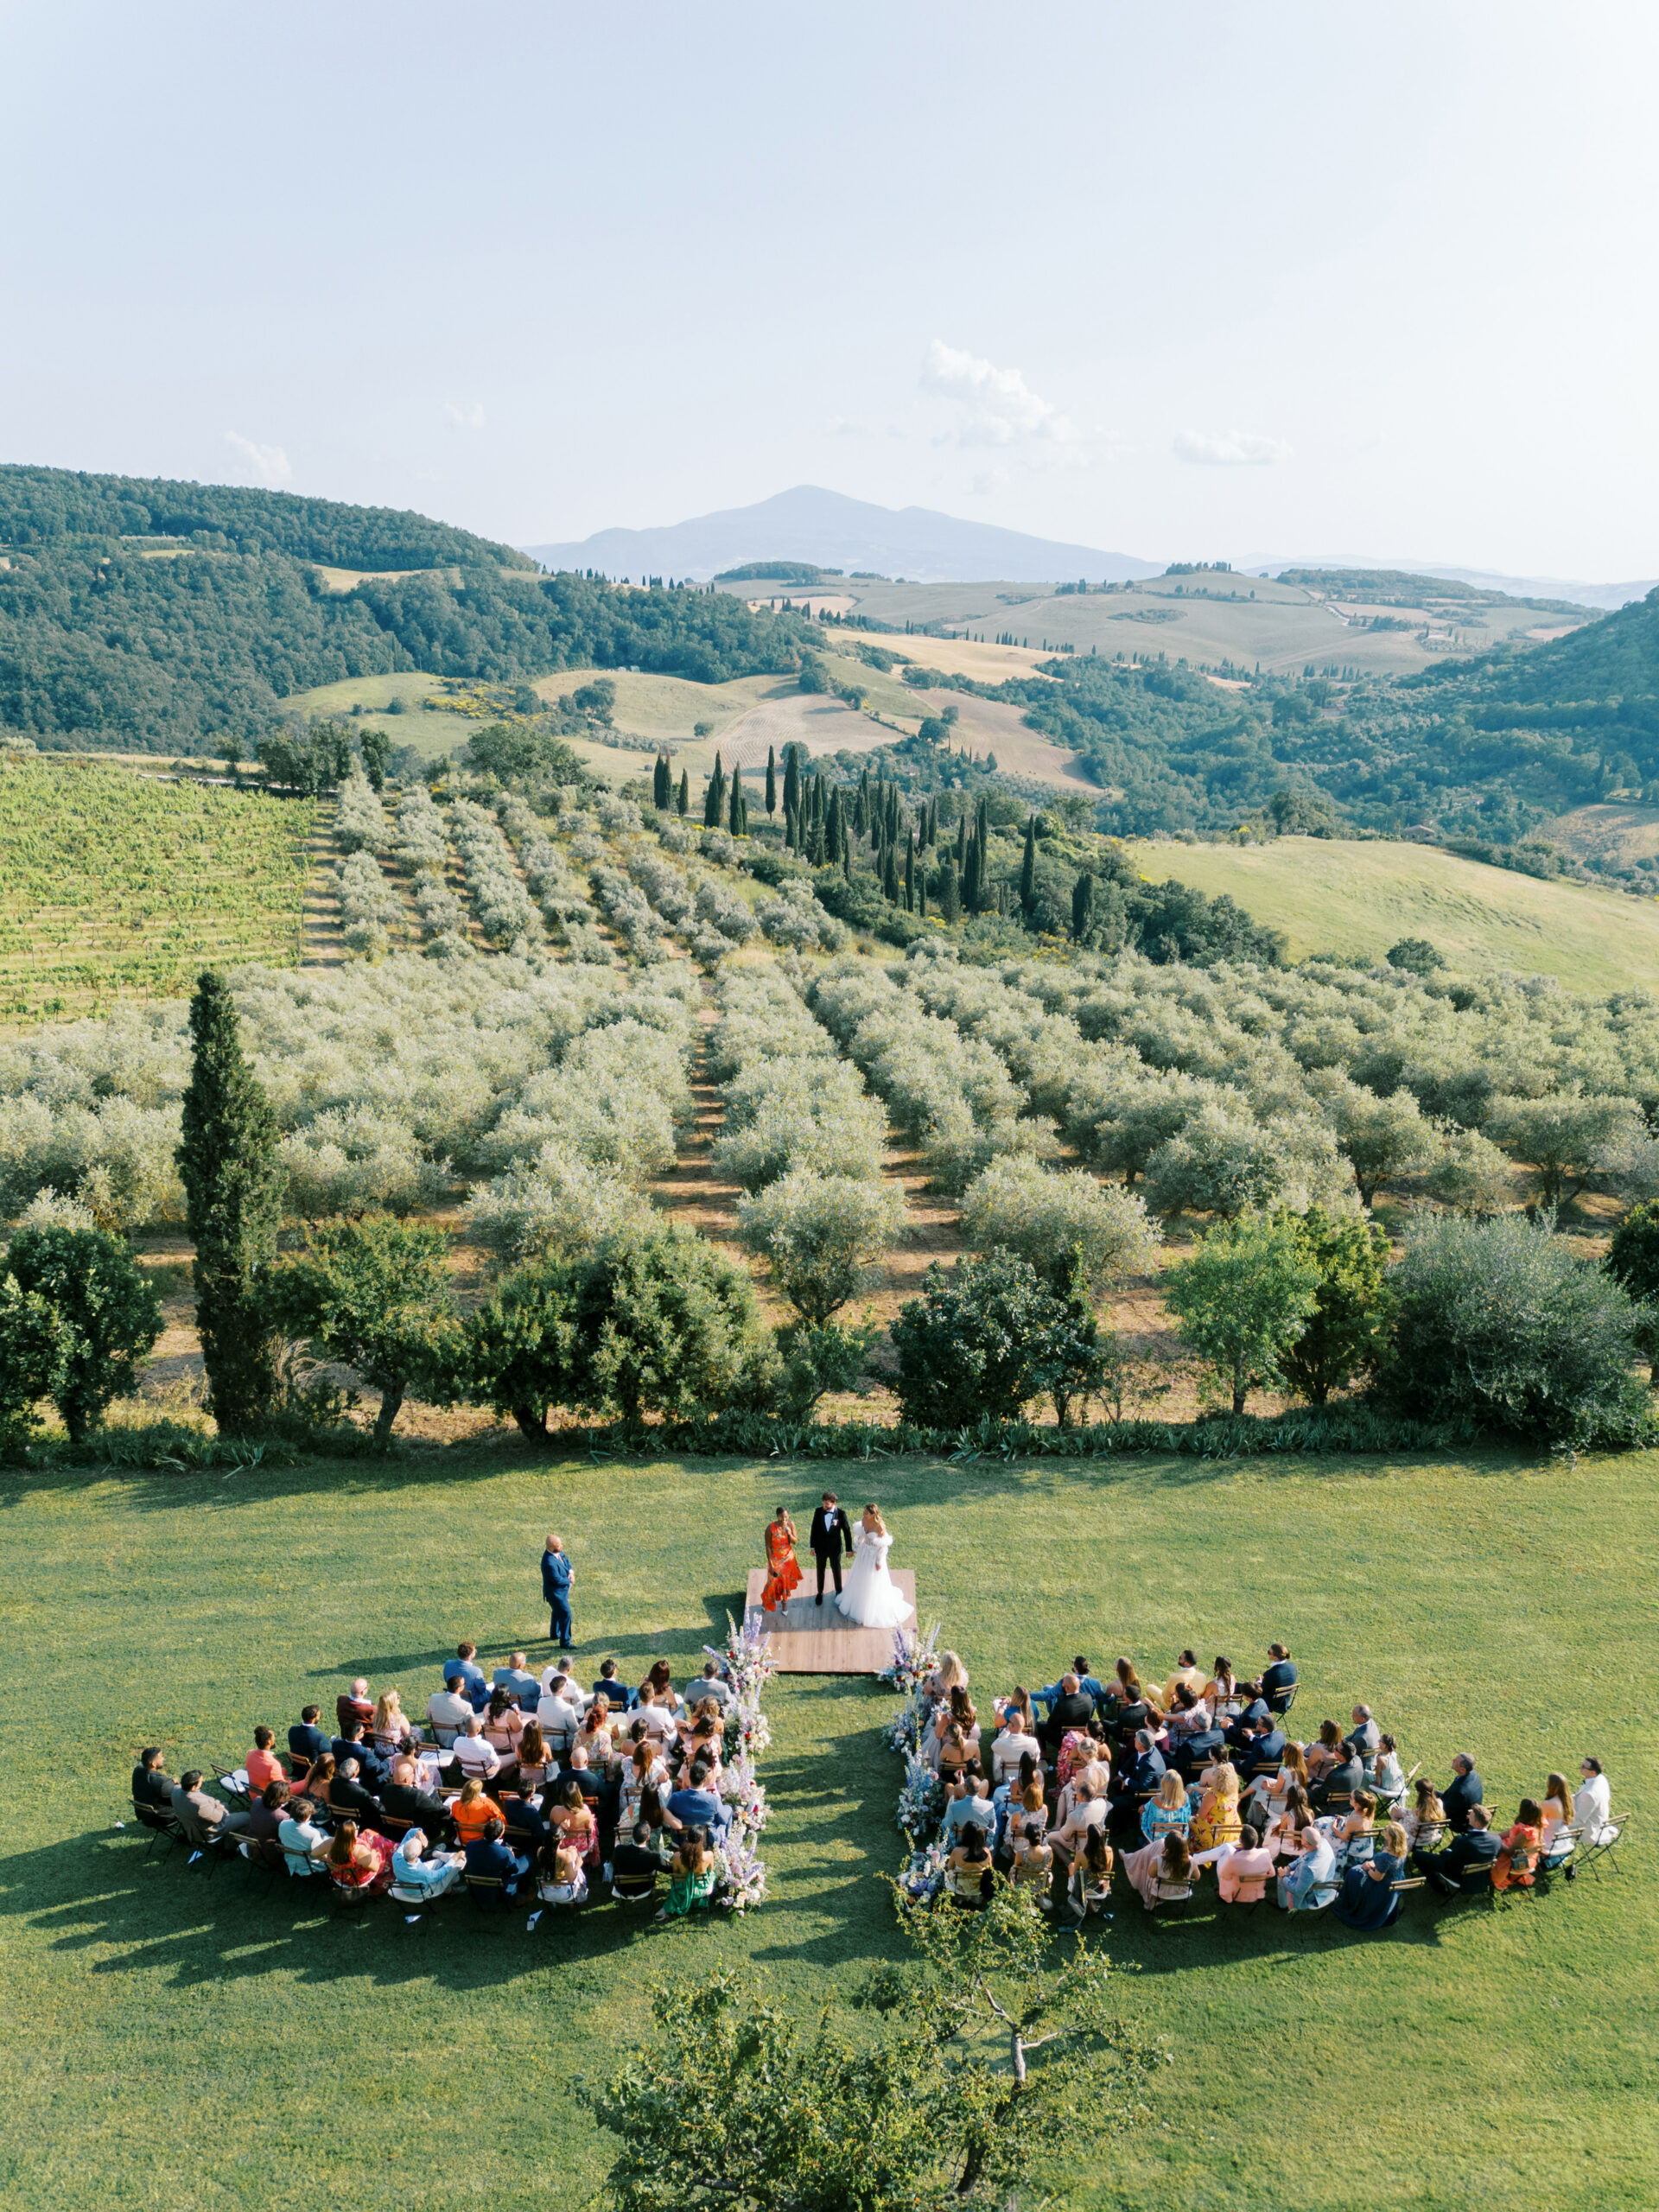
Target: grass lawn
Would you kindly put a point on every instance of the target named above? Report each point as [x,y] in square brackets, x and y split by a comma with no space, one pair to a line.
[177,2042]
[1361,896]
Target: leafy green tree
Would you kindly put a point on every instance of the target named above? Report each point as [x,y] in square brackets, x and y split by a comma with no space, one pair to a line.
[1244,1299]
[374,1294]
[1633,1260]
[233,1182]
[1415,955]
[1302,813]
[77,1317]
[985,2061]
[813,676]
[1501,1322]
[520,1347]
[597,699]
[822,1236]
[821,1356]
[1347,1332]
[1565,1136]
[376,748]
[513,754]
[976,1342]
[1469,1174]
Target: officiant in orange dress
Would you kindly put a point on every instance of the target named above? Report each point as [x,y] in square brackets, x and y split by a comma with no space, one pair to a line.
[782,1568]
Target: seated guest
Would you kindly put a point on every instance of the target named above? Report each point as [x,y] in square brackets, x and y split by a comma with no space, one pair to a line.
[696,1805]
[303,1841]
[356,1742]
[706,1736]
[945,1676]
[1189,1716]
[348,1793]
[955,1710]
[1014,1741]
[1194,1751]
[268,1812]
[1143,1775]
[433,1874]
[1033,1861]
[1216,1820]
[404,1800]
[563,1880]
[517,1680]
[264,1766]
[1087,1811]
[1325,1753]
[472,1811]
[1167,1811]
[968,1880]
[1188,1675]
[572,1817]
[465,1664]
[1354,1832]
[1555,1843]
[1051,1692]
[204,1819]
[503,1724]
[450,1707]
[955,1751]
[152,1786]
[313,1783]
[489,1857]
[391,1730]
[968,1803]
[712,1683]
[1309,1883]
[1168,1862]
[528,1828]
[661,1679]
[1243,1869]
[1462,1793]
[1240,1730]
[1278,1677]
[1368,1899]
[1024,1812]
[1089,1887]
[1593,1805]
[1517,1852]
[1425,1822]
[1475,1846]
[354,1704]
[358,1859]
[1365,1736]
[1384,1774]
[1221,1686]
[1260,1747]
[1124,1688]
[1268,1791]
[472,1752]
[597,1735]
[534,1760]
[1287,1827]
[1074,1708]
[638,1865]
[646,1770]
[305,1739]
[691,1876]
[555,1711]
[1346,1779]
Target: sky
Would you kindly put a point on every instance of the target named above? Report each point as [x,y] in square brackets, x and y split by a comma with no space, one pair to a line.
[1200,283]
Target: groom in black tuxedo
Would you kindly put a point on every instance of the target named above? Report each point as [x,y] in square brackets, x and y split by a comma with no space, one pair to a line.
[831,1534]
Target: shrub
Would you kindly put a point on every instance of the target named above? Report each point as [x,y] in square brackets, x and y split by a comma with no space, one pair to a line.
[1346,1334]
[1633,1260]
[76,1318]
[1073,1229]
[1499,1321]
[820,1357]
[1244,1299]
[822,1236]
[1225,1162]
[977,1342]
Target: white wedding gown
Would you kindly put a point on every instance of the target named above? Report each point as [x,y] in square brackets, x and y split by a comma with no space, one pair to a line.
[871,1597]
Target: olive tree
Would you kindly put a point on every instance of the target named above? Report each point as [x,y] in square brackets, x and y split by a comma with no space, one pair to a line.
[1225,1162]
[822,1236]
[1381,1138]
[1244,1299]
[1470,1174]
[1566,1136]
[1074,1230]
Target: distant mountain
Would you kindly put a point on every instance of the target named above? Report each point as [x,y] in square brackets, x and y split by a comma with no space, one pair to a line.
[831,531]
[1606,596]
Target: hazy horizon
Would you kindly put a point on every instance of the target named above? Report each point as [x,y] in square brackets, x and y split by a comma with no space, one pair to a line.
[1212,287]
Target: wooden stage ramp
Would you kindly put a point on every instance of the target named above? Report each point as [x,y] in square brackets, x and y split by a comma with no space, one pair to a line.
[810,1639]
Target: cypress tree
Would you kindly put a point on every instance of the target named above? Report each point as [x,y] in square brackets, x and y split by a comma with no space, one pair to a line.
[735,817]
[910,874]
[921,893]
[683,799]
[1083,907]
[893,814]
[233,1185]
[861,807]
[961,839]
[791,829]
[970,886]
[834,833]
[659,782]
[890,875]
[791,780]
[771,781]
[1028,866]
[815,851]
[847,861]
[949,890]
[817,803]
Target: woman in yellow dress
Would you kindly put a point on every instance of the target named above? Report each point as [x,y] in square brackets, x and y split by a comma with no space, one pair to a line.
[782,1568]
[1217,1820]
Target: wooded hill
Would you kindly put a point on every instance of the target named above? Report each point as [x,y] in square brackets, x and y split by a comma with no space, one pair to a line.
[172,617]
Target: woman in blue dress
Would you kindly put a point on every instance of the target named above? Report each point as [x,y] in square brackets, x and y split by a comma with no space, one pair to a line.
[1369,1900]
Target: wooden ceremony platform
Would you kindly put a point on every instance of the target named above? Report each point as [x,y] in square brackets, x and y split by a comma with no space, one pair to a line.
[810,1639]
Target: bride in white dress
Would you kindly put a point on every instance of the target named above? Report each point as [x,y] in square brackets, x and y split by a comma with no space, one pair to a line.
[871,1597]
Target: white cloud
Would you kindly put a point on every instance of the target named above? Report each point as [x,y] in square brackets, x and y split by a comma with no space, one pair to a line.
[994,407]
[269,463]
[470,417]
[1229,449]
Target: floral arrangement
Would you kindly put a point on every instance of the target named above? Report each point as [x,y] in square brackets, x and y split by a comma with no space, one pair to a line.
[742,1787]
[918,1801]
[925,1875]
[913,1659]
[742,1873]
[903,1733]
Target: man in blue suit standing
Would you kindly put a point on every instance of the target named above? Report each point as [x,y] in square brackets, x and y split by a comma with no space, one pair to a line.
[557,1575]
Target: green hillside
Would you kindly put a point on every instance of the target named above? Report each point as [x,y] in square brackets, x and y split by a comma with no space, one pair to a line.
[1331,895]
[171,618]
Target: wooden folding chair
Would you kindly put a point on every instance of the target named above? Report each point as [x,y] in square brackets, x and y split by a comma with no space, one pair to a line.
[162,1826]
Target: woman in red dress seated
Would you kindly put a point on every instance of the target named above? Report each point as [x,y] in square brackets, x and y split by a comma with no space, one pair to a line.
[358,1859]
[782,1568]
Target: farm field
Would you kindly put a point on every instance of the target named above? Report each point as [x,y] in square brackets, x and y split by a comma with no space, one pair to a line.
[190,2043]
[425,721]
[113,883]
[1335,895]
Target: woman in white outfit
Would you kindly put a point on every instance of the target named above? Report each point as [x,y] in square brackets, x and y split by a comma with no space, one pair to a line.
[871,1597]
